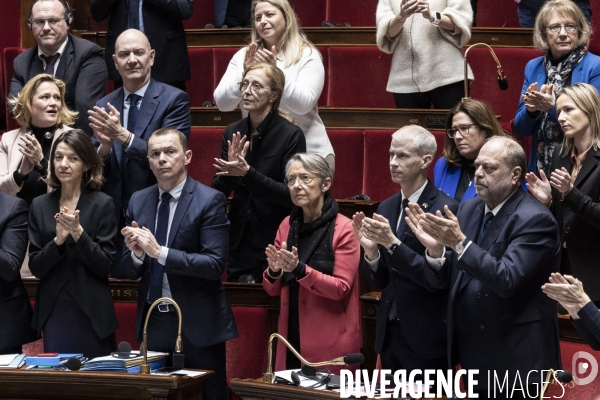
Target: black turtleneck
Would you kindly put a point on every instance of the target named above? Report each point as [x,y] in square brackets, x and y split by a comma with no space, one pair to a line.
[33,185]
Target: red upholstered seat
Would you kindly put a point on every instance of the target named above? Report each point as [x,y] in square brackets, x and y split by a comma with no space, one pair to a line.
[204,13]
[358,77]
[309,12]
[325,55]
[205,145]
[200,88]
[354,12]
[221,58]
[349,157]
[247,354]
[126,316]
[485,86]
[493,13]
[9,55]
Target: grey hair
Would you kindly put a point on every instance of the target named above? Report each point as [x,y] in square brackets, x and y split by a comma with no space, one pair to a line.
[422,139]
[313,163]
[514,155]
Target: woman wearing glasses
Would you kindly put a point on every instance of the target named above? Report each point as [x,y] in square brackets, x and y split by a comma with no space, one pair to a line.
[276,39]
[468,125]
[313,266]
[252,165]
[563,34]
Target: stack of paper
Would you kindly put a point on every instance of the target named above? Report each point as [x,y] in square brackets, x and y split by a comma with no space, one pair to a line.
[110,363]
[12,361]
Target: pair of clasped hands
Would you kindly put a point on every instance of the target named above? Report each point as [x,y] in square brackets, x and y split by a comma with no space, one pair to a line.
[539,100]
[32,153]
[282,259]
[67,224]
[410,7]
[254,55]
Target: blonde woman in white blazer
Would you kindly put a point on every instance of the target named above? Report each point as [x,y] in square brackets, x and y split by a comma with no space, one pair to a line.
[24,152]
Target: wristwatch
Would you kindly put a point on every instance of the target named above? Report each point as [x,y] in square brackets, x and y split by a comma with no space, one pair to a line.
[459,248]
[437,18]
[393,247]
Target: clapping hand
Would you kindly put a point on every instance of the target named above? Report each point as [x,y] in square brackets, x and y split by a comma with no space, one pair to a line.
[368,244]
[236,153]
[140,241]
[67,224]
[428,236]
[568,291]
[561,180]
[542,100]
[32,153]
[539,187]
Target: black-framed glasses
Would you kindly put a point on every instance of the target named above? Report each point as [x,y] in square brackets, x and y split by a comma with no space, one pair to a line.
[463,129]
[304,178]
[40,22]
[254,87]
[569,28]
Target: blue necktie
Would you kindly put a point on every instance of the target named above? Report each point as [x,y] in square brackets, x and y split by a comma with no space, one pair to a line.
[134,14]
[393,311]
[487,218]
[133,111]
[160,233]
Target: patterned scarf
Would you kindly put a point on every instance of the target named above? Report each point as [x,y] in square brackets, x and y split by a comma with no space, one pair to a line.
[319,255]
[549,134]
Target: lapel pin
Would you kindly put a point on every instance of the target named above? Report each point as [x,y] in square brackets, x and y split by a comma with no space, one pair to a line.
[424,205]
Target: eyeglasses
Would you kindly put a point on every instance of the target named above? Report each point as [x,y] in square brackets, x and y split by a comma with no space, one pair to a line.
[304,178]
[569,28]
[254,87]
[41,22]
[463,129]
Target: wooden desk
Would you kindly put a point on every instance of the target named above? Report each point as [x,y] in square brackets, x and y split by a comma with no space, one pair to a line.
[250,389]
[32,384]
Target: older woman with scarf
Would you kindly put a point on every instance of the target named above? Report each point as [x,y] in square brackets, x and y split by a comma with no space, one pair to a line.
[313,266]
[562,32]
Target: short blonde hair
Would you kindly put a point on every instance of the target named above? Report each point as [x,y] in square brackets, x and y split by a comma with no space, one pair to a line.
[22,111]
[293,40]
[568,10]
[586,98]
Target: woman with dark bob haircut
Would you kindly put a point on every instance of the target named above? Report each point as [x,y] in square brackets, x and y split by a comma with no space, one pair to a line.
[468,125]
[71,251]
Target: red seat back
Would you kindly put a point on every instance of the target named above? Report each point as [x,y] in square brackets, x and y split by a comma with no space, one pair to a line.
[205,145]
[491,13]
[309,12]
[221,58]
[126,316]
[9,55]
[349,160]
[200,88]
[354,12]
[377,182]
[358,77]
[204,13]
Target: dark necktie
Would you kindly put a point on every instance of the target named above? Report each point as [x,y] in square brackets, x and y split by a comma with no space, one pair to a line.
[487,218]
[133,111]
[160,234]
[393,311]
[50,61]
[134,14]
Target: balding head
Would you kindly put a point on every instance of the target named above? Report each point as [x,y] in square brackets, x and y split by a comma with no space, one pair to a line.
[133,59]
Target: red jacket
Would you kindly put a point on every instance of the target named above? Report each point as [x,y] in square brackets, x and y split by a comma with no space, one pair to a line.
[329,312]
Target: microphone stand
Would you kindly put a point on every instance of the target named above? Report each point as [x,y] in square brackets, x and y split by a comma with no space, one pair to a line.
[547,382]
[498,65]
[145,367]
[269,376]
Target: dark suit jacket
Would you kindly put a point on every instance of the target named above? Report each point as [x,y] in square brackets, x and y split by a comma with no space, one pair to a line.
[261,195]
[498,317]
[588,325]
[15,309]
[81,68]
[578,217]
[80,267]
[421,308]
[162,25]
[197,243]
[162,106]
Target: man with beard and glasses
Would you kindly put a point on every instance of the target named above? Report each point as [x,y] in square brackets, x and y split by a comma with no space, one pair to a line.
[494,256]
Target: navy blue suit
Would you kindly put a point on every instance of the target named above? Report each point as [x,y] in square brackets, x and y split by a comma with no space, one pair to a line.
[163,106]
[498,317]
[15,309]
[421,308]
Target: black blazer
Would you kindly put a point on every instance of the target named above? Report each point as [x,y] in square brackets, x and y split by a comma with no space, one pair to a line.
[498,317]
[163,106]
[421,308]
[82,69]
[261,194]
[162,25]
[15,308]
[578,217]
[197,244]
[81,267]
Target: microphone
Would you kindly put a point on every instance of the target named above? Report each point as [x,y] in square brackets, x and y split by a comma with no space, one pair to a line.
[74,363]
[563,377]
[502,78]
[124,351]
[354,359]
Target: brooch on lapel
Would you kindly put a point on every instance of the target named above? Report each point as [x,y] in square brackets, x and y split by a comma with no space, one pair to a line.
[424,206]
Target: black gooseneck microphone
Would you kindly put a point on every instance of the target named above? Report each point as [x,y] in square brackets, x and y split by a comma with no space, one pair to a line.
[124,351]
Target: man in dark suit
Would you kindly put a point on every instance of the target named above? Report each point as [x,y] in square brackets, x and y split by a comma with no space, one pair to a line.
[15,309]
[123,121]
[411,331]
[161,21]
[505,245]
[177,240]
[75,61]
